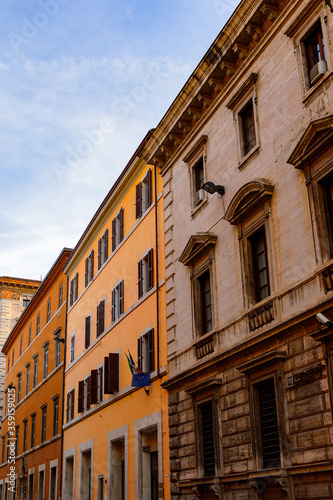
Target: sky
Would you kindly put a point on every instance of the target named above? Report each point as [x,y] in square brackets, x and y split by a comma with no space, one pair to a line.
[81,83]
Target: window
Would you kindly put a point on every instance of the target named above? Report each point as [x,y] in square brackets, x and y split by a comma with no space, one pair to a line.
[117,229]
[25,434]
[260,264]
[143,195]
[111,373]
[89,268]
[100,487]
[198,181]
[26,302]
[100,384]
[35,370]
[21,346]
[117,301]
[100,325]
[38,325]
[315,52]
[103,244]
[19,385]
[145,273]
[84,399]
[74,287]
[48,316]
[3,447]
[205,302]
[118,471]
[17,437]
[43,427]
[196,161]
[248,129]
[61,291]
[13,358]
[70,405]
[146,355]
[87,334]
[27,380]
[72,355]
[30,329]
[46,360]
[8,438]
[6,401]
[57,354]
[208,438]
[55,415]
[33,430]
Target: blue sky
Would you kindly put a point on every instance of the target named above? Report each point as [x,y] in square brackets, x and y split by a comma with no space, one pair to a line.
[81,82]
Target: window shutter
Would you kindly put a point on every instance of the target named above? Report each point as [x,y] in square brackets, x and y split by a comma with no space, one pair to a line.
[149,187]
[114,234]
[97,320]
[150,269]
[140,353]
[71,293]
[87,333]
[113,306]
[140,280]
[121,298]
[121,225]
[88,380]
[101,316]
[72,403]
[76,286]
[94,387]
[138,203]
[151,360]
[113,381]
[86,272]
[99,253]
[91,264]
[80,403]
[106,245]
[68,407]
[106,376]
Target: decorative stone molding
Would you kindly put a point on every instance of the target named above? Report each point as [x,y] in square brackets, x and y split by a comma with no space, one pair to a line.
[196,245]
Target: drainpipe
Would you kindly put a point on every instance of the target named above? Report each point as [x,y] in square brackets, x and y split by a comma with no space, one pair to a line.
[63,401]
[157,291]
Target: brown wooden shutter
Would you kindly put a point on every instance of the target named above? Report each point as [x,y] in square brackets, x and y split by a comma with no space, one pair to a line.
[76,286]
[121,225]
[86,272]
[67,407]
[91,264]
[149,187]
[121,298]
[72,403]
[99,253]
[106,376]
[106,245]
[138,203]
[101,316]
[71,295]
[88,382]
[97,320]
[114,234]
[140,279]
[94,387]
[87,333]
[80,401]
[140,353]
[113,306]
[151,358]
[113,381]
[150,269]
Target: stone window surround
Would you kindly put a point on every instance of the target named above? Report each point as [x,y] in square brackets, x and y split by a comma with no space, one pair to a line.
[53,464]
[114,436]
[86,447]
[70,453]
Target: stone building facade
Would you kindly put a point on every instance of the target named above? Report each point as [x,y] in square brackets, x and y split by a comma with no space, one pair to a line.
[249,264]
[15,295]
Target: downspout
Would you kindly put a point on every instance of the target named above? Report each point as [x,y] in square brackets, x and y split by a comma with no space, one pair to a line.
[63,401]
[157,274]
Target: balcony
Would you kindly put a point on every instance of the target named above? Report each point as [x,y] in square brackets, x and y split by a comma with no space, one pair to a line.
[261,316]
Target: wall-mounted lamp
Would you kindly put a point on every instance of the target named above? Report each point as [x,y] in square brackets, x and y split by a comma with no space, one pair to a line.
[329,3]
[58,339]
[212,188]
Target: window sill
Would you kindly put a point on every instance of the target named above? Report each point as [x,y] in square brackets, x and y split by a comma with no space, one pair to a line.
[198,207]
[312,90]
[249,155]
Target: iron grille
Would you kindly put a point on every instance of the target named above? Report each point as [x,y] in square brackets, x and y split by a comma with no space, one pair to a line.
[269,425]
[208,439]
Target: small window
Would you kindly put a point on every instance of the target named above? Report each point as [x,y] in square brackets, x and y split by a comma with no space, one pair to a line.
[145,273]
[46,360]
[270,441]
[248,127]
[13,358]
[84,395]
[117,301]
[21,346]
[143,195]
[72,354]
[205,303]
[89,268]
[38,325]
[74,289]
[198,181]
[17,437]
[30,330]
[61,291]
[55,415]
[57,355]
[48,311]
[19,386]
[87,333]
[26,302]
[315,53]
[111,373]
[33,430]
[70,405]
[260,265]
[25,434]
[146,353]
[103,243]
[117,229]
[100,325]
[43,426]
[27,380]
[35,371]
[100,384]
[3,447]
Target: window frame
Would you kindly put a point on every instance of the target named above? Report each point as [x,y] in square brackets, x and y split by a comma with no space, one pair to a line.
[19,387]
[48,314]
[25,435]
[61,291]
[100,318]
[87,331]
[57,354]
[117,301]
[117,229]
[144,194]
[146,351]
[27,379]
[45,359]
[89,268]
[72,348]
[55,426]
[38,325]
[196,155]
[146,273]
[74,289]
[43,423]
[35,374]
[103,249]
[33,430]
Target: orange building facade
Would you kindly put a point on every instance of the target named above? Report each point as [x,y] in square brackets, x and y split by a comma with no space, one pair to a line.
[30,453]
[116,435]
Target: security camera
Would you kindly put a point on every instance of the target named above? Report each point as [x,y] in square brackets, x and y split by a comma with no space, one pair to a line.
[323,320]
